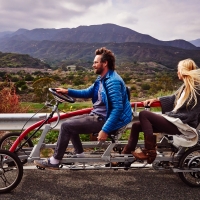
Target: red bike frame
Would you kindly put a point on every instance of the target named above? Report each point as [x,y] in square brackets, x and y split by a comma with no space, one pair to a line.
[65,116]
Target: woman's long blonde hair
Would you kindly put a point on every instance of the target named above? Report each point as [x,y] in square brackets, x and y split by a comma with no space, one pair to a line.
[191,77]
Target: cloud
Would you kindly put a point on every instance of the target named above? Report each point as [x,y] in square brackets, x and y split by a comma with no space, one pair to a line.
[126,18]
[31,14]
[169,19]
[162,19]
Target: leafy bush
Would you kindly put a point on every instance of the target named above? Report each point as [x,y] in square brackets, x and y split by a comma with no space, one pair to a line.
[135,94]
[126,135]
[28,77]
[133,87]
[78,81]
[20,83]
[24,87]
[52,137]
[145,86]
[14,79]
[9,99]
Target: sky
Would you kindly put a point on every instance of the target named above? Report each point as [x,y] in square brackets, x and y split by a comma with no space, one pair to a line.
[162,19]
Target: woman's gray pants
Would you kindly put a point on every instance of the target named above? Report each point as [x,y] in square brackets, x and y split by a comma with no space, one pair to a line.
[70,130]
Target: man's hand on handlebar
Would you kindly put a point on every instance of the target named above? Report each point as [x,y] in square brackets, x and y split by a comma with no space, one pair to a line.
[102,136]
[61,90]
[148,102]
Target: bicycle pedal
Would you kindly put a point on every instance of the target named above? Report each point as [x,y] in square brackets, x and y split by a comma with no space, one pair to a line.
[112,164]
[126,165]
[41,168]
[68,163]
[138,160]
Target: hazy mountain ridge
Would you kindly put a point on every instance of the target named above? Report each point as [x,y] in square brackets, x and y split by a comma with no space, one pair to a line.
[79,44]
[196,42]
[104,33]
[125,52]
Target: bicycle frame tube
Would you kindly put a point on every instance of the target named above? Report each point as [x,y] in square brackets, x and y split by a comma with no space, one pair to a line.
[53,119]
[64,116]
[141,105]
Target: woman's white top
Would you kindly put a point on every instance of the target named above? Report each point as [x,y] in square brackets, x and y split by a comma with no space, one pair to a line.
[189,136]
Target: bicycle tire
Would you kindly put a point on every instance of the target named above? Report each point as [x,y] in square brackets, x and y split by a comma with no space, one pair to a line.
[11,171]
[8,139]
[191,158]
[14,134]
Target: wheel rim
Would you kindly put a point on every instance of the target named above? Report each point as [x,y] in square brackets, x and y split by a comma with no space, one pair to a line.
[192,160]
[8,142]
[9,172]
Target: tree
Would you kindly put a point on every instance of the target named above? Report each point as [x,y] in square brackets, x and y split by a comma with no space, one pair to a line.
[24,87]
[28,77]
[41,88]
[14,79]
[20,83]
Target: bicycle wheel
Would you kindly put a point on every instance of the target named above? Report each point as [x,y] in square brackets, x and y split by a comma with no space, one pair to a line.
[8,139]
[11,171]
[190,159]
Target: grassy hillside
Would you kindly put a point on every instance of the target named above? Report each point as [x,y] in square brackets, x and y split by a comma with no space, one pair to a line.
[14,60]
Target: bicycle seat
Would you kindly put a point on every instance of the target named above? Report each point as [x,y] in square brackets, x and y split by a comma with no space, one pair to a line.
[114,135]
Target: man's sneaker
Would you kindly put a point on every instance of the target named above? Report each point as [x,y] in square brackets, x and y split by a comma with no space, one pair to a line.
[79,155]
[46,164]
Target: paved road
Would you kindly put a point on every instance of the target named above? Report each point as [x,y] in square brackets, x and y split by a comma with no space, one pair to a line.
[133,184]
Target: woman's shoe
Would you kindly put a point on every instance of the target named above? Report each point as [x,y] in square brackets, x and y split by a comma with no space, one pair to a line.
[126,150]
[149,155]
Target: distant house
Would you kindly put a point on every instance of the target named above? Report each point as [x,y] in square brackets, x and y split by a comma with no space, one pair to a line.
[71,67]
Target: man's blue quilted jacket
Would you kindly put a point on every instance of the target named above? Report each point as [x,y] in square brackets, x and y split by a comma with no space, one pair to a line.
[114,96]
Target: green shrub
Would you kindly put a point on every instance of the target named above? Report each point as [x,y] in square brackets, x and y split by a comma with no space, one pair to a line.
[126,135]
[24,87]
[135,94]
[51,137]
[133,87]
[145,86]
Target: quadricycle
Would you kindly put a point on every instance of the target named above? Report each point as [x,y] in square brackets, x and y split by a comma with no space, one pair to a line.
[17,150]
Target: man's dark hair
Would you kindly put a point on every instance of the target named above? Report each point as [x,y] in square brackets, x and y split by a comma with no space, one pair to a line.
[106,55]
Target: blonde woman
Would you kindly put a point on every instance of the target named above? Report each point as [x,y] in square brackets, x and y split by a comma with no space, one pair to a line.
[180,115]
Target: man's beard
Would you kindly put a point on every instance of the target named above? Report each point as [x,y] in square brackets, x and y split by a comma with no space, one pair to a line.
[99,70]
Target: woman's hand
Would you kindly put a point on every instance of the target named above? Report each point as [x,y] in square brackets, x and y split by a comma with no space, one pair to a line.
[61,90]
[148,102]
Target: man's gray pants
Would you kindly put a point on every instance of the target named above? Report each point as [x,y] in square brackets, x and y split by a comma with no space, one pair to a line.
[70,130]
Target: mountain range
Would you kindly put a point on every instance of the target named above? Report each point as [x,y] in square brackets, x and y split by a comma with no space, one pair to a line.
[104,33]
[196,42]
[80,43]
